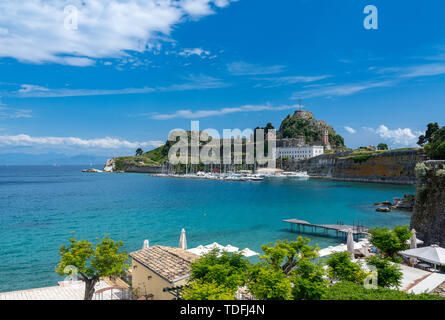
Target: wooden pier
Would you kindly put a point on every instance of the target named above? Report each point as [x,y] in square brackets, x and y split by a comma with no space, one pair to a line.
[340,229]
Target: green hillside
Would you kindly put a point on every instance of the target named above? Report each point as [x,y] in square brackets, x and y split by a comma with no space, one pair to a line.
[302,125]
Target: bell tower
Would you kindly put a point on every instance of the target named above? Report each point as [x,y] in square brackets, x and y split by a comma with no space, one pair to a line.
[326,143]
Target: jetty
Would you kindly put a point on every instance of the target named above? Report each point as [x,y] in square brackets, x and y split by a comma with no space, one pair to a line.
[340,229]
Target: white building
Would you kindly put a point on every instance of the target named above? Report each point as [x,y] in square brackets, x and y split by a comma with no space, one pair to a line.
[300,153]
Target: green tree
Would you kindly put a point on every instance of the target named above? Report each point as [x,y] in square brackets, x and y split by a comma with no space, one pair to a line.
[223,269]
[382,146]
[432,128]
[139,152]
[389,274]
[342,268]
[90,263]
[199,290]
[285,255]
[268,283]
[391,241]
[308,282]
[435,149]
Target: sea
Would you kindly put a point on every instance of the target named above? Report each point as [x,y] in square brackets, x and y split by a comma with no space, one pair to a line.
[42,206]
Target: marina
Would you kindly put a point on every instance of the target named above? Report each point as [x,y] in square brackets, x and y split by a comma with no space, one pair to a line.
[237,176]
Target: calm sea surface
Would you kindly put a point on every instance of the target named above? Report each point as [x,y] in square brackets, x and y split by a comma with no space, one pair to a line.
[41,206]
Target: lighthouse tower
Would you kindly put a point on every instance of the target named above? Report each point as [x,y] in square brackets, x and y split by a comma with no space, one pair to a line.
[326,144]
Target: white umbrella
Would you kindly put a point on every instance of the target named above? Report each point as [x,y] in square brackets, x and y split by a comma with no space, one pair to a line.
[230,248]
[146,244]
[249,253]
[182,240]
[350,243]
[200,250]
[413,240]
[432,254]
[214,245]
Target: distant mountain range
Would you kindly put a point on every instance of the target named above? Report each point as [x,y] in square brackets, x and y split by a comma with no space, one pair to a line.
[51,159]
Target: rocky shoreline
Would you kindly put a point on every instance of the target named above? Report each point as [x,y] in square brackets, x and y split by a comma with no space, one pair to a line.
[429,212]
[406,203]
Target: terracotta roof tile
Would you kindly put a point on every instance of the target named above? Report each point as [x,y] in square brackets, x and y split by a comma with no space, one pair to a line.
[170,263]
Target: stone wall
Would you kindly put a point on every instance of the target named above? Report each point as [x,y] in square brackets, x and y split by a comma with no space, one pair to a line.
[321,166]
[388,167]
[428,218]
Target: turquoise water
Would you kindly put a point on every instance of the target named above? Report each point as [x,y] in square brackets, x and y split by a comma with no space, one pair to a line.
[41,206]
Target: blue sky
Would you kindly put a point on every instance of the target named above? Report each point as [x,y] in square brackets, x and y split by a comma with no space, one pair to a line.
[134,70]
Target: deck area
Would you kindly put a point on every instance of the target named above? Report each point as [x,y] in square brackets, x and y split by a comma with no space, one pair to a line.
[341,230]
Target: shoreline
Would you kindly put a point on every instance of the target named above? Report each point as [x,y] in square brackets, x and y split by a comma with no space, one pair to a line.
[365,181]
[376,181]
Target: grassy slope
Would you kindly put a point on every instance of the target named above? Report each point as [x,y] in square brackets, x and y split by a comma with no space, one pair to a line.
[361,155]
[151,158]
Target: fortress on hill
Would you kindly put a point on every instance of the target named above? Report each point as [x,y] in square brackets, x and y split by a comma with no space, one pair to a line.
[302,130]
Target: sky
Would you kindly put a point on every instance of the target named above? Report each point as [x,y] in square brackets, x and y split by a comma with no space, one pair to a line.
[124,73]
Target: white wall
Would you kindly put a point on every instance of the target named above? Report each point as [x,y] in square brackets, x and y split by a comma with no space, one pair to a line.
[300,152]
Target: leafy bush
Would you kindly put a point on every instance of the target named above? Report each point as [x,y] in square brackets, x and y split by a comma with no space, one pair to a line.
[389,274]
[353,291]
[342,268]
[207,291]
[308,281]
[223,269]
[421,170]
[267,283]
[390,242]
[435,148]
[285,255]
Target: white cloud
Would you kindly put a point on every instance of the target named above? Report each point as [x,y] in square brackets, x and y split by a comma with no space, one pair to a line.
[26,88]
[34,32]
[196,51]
[340,90]
[242,69]
[12,113]
[23,140]
[401,137]
[424,70]
[200,82]
[280,81]
[189,114]
[350,130]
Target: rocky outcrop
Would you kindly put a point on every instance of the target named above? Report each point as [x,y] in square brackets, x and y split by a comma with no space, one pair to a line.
[428,218]
[405,203]
[396,167]
[110,165]
[92,170]
[302,128]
